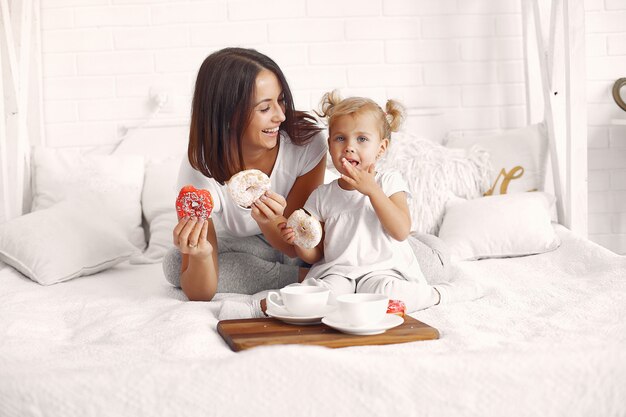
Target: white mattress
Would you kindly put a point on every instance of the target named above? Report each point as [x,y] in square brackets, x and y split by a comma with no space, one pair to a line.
[548,338]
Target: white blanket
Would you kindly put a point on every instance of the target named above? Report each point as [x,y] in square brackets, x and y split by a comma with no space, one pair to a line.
[548,338]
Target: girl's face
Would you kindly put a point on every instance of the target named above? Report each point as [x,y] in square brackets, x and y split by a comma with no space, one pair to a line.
[268,112]
[356,137]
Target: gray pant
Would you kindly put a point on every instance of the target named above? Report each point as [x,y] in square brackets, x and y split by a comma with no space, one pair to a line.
[433,255]
[248,265]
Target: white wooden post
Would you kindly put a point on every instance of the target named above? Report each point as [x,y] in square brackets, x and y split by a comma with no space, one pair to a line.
[532,74]
[21,87]
[562,63]
[546,87]
[23,143]
[4,169]
[576,116]
[9,73]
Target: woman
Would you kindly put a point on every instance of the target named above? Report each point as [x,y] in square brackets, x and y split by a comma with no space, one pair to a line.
[243,117]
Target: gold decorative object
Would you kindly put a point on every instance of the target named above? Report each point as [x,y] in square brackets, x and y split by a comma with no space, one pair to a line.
[616,93]
[513,174]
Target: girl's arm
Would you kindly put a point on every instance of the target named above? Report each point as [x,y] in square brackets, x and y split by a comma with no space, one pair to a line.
[274,210]
[312,255]
[199,270]
[393,213]
[307,255]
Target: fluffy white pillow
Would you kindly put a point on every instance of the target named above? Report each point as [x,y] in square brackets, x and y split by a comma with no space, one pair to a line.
[518,157]
[434,174]
[155,143]
[163,148]
[499,226]
[158,201]
[112,182]
[65,241]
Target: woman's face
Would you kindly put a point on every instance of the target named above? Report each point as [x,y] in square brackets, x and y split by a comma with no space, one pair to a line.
[268,112]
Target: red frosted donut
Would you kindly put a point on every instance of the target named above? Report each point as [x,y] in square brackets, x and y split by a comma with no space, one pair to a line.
[396,307]
[194,202]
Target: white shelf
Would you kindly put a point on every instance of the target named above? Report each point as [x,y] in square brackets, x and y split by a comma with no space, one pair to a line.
[621,122]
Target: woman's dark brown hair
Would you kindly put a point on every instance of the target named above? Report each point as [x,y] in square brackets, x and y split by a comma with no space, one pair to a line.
[222,107]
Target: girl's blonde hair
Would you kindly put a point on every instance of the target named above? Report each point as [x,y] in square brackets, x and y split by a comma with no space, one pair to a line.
[332,105]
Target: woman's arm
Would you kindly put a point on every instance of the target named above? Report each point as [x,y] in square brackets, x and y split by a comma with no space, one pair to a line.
[265,211]
[304,186]
[199,270]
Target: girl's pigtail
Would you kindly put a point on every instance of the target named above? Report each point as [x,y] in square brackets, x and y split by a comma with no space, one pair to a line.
[328,103]
[395,114]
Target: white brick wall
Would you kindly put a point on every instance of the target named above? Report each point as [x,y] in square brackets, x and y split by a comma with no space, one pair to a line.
[102,59]
[606,62]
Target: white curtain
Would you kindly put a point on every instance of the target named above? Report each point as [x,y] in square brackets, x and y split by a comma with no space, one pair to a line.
[21,115]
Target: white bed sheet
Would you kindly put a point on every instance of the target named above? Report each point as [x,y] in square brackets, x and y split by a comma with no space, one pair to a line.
[547,338]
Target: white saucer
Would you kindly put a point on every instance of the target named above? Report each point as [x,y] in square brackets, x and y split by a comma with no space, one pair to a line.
[287,317]
[336,322]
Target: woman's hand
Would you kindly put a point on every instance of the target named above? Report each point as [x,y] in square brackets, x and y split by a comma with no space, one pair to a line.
[190,237]
[269,208]
[364,181]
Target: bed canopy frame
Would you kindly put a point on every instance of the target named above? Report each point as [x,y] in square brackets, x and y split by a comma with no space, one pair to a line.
[554,68]
[554,63]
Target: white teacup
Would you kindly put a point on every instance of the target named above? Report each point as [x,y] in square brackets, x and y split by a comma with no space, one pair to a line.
[300,300]
[362,309]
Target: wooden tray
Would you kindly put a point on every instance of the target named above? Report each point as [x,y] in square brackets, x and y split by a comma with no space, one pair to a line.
[249,333]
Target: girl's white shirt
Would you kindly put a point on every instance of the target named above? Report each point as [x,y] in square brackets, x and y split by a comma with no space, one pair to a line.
[292,162]
[355,242]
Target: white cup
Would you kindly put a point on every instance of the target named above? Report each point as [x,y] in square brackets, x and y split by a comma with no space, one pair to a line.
[362,309]
[300,300]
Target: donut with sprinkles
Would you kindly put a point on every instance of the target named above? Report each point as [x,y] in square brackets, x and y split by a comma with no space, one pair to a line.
[396,307]
[194,202]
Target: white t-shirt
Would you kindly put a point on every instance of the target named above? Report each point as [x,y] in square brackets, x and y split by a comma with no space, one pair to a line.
[355,242]
[292,162]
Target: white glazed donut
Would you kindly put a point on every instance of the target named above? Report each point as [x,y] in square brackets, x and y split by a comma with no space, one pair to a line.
[247,186]
[307,228]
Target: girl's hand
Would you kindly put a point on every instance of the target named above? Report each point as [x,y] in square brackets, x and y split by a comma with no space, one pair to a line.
[190,237]
[286,233]
[269,208]
[363,181]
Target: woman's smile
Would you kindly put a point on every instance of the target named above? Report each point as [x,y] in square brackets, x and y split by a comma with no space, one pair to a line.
[268,112]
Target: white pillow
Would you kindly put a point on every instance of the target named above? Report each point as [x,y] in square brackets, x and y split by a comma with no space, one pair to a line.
[158,201]
[64,241]
[113,182]
[155,143]
[518,157]
[434,174]
[163,148]
[499,226]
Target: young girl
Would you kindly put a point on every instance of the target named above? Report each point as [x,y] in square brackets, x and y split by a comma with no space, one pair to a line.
[243,117]
[364,214]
